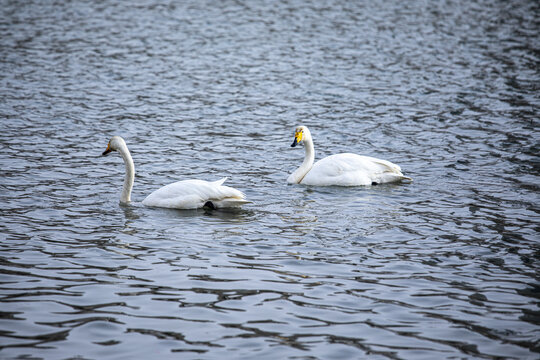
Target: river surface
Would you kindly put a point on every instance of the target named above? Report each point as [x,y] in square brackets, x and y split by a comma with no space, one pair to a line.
[445,267]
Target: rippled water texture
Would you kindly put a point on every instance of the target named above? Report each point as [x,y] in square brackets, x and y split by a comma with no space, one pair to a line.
[445,267]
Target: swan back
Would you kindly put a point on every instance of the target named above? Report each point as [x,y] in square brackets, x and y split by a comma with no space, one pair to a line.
[352,170]
[193,194]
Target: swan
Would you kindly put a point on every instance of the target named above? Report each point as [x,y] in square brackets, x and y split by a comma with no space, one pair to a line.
[341,169]
[185,194]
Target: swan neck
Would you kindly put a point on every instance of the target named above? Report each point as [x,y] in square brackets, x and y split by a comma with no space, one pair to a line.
[130,174]
[307,164]
[310,155]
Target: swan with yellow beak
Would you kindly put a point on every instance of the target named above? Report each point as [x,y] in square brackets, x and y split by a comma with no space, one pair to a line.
[341,169]
[184,194]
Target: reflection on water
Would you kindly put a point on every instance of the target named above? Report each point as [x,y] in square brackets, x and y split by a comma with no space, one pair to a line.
[444,267]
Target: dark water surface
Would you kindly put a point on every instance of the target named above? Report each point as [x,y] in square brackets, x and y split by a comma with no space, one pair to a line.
[443,268]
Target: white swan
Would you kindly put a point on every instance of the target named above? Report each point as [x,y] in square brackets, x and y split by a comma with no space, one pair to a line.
[186,194]
[341,169]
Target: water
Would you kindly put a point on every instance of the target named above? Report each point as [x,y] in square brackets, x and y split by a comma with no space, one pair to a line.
[443,268]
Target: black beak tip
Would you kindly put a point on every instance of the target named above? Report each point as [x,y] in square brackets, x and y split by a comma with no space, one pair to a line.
[294,143]
[105,152]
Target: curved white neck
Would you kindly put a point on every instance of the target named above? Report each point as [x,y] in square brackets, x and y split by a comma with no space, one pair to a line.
[297,176]
[130,174]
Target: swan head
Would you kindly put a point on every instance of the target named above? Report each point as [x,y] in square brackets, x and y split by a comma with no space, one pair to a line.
[301,134]
[114,144]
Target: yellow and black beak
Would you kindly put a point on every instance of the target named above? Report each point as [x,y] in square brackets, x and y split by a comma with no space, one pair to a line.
[297,138]
[108,150]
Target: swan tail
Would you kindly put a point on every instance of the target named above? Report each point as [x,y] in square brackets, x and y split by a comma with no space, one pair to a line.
[230,203]
[402,177]
[395,170]
[389,177]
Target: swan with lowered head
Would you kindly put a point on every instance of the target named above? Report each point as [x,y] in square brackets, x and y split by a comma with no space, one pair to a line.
[341,169]
[185,194]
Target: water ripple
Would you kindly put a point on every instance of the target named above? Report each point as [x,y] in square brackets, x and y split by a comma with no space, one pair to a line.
[443,267]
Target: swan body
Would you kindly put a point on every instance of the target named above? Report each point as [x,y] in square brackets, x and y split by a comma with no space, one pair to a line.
[341,169]
[194,194]
[185,194]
